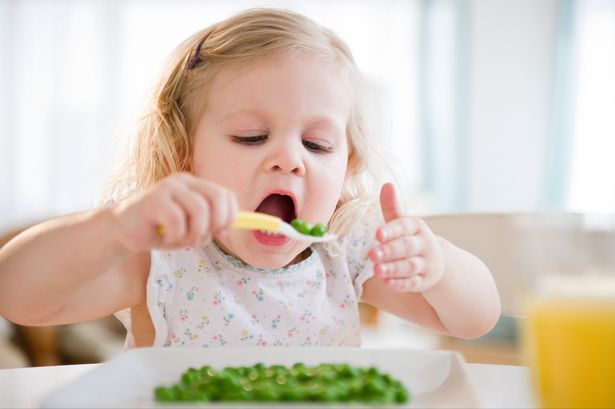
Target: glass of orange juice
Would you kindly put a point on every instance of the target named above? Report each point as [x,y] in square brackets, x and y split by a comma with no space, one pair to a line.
[569,315]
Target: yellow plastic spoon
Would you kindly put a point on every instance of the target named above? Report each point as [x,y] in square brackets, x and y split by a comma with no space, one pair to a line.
[267,222]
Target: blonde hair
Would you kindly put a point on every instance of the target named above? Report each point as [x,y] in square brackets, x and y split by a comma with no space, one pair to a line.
[163,143]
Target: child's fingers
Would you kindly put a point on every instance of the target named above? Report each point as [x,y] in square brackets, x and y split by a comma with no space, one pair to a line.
[401,268]
[232,206]
[414,283]
[171,220]
[185,211]
[222,201]
[404,226]
[198,211]
[398,249]
[223,212]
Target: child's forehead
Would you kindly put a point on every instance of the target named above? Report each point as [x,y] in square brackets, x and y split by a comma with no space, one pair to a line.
[302,80]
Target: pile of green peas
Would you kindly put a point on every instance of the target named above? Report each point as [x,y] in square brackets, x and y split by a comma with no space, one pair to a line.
[318,230]
[323,383]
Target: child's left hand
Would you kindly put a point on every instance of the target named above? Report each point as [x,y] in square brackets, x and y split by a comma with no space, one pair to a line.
[409,257]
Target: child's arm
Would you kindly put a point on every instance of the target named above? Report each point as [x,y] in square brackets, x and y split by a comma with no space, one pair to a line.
[68,269]
[91,264]
[425,279]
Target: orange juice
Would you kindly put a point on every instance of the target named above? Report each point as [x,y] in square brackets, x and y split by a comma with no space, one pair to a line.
[570,342]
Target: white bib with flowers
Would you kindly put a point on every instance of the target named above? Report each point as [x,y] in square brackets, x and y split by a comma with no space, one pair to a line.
[207,298]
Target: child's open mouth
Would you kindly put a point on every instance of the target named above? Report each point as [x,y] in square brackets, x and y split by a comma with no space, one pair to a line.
[278,205]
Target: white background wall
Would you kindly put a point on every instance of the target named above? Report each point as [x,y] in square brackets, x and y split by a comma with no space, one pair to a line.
[511,67]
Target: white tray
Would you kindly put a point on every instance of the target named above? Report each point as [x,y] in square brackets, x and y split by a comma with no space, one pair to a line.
[434,378]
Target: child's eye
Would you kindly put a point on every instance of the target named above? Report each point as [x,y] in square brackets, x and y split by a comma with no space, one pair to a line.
[250,140]
[315,147]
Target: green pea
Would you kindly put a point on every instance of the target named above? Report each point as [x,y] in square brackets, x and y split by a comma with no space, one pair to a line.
[231,370]
[294,394]
[228,380]
[319,230]
[314,391]
[301,226]
[183,392]
[164,394]
[235,395]
[202,396]
[299,373]
[387,379]
[207,371]
[252,374]
[192,376]
[266,393]
[402,395]
[343,390]
[375,386]
[329,395]
[328,375]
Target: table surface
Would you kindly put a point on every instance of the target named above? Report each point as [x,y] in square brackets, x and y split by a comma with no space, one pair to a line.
[502,386]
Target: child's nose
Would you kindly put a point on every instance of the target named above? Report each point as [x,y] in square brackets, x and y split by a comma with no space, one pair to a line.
[287,157]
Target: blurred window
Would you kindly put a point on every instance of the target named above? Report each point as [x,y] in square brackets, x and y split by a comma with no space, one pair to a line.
[592,171]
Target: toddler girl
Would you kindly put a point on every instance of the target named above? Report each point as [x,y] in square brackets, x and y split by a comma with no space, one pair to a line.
[263,112]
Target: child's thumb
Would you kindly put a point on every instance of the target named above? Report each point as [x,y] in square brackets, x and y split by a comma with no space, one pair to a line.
[391,208]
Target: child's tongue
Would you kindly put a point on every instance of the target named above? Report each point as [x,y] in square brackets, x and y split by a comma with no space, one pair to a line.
[278,205]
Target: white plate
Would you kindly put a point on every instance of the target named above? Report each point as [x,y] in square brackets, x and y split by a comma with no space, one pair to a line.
[434,378]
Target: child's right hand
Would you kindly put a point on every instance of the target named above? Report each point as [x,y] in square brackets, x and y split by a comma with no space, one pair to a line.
[181,210]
